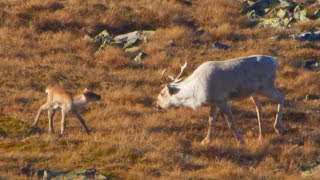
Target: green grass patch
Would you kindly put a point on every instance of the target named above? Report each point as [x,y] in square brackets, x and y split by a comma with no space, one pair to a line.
[12,127]
[26,145]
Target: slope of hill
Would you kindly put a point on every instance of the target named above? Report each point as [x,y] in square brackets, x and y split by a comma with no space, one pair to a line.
[43,43]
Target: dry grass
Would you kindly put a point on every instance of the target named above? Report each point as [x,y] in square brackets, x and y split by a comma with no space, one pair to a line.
[41,43]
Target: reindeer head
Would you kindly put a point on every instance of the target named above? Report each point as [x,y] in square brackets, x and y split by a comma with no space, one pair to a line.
[90,95]
[166,98]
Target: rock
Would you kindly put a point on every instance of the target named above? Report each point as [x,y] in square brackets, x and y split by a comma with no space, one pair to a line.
[260,6]
[148,33]
[27,170]
[138,59]
[316,14]
[310,170]
[308,36]
[130,43]
[299,14]
[275,22]
[312,97]
[125,40]
[219,45]
[131,37]
[279,13]
[311,64]
[73,174]
[134,49]
[282,13]
[200,31]
[103,38]
[186,2]
[279,37]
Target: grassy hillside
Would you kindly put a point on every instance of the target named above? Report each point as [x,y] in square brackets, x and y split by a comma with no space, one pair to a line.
[43,43]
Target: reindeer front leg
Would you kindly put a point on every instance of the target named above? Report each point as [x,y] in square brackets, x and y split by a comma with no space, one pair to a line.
[81,121]
[212,119]
[226,110]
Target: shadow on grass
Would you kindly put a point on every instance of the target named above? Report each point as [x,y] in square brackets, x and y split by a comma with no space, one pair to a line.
[239,156]
[169,129]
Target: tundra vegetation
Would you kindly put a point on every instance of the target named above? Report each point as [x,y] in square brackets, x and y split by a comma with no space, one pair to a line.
[42,43]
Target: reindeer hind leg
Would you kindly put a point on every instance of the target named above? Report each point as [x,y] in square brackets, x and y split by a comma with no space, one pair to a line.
[40,111]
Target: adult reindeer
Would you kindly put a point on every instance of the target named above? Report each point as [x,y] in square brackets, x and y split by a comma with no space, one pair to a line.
[214,83]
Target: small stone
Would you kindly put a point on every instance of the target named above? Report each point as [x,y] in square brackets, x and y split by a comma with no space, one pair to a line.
[219,45]
[138,59]
[311,64]
[134,49]
[312,97]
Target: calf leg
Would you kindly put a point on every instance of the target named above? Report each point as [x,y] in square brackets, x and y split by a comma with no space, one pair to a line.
[212,119]
[277,96]
[226,110]
[259,115]
[51,113]
[63,120]
[40,111]
[81,121]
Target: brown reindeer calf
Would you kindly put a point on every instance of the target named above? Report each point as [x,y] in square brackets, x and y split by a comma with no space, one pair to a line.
[60,98]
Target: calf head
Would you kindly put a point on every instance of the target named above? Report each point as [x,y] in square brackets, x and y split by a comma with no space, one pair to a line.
[90,95]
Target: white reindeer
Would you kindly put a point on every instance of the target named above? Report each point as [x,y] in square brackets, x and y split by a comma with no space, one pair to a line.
[60,98]
[214,83]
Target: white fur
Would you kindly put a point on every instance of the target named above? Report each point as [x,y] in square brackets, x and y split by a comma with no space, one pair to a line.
[214,83]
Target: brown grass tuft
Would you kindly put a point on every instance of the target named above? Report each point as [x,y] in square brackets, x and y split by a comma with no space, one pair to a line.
[56,25]
[111,56]
[42,43]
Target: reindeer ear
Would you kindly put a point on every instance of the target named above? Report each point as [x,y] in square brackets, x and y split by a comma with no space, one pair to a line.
[172,89]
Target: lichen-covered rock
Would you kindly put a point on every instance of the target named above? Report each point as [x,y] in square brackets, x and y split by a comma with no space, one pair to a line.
[310,170]
[72,174]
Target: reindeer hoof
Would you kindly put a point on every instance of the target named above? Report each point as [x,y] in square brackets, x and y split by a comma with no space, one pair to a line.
[90,131]
[261,138]
[205,142]
[279,130]
[240,143]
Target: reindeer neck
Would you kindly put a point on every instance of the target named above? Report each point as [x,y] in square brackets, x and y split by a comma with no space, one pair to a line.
[79,100]
[189,94]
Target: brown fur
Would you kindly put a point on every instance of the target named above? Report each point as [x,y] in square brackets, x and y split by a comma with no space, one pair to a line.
[60,98]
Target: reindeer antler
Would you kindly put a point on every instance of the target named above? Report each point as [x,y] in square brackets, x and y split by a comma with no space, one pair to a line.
[177,78]
[170,77]
[181,71]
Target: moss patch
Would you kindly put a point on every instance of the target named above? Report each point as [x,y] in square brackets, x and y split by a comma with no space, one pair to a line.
[12,127]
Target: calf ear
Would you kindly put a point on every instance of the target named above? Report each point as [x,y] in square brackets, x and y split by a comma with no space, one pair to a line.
[172,89]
